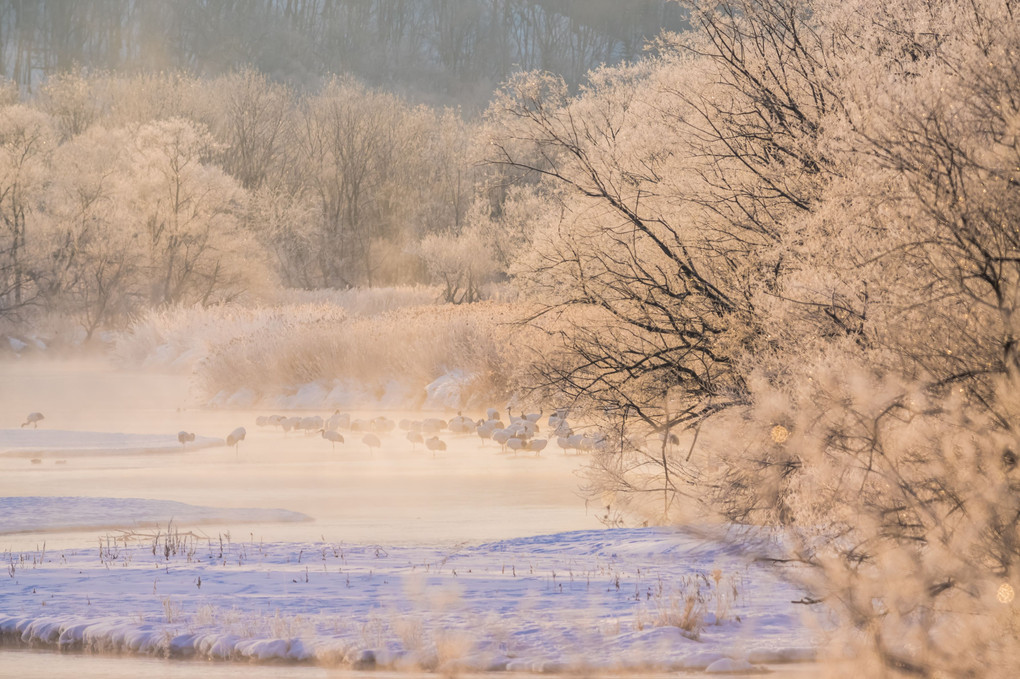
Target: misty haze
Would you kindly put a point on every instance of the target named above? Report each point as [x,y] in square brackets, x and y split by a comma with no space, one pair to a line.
[577,337]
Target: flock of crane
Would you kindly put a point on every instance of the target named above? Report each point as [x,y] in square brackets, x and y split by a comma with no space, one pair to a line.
[521,435]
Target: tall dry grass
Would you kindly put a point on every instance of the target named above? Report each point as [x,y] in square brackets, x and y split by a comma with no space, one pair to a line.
[373,342]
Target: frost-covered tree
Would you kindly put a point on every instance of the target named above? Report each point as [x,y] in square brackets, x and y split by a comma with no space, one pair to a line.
[672,185]
[68,97]
[190,212]
[790,232]
[903,430]
[285,223]
[253,126]
[445,168]
[381,175]
[462,264]
[146,97]
[90,242]
[346,142]
[26,141]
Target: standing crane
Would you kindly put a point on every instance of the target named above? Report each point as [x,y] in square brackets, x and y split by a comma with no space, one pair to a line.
[235,437]
[33,419]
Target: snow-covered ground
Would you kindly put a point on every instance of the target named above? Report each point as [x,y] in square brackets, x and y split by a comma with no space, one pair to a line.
[603,599]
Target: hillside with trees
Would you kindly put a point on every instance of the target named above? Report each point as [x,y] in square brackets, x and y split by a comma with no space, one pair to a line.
[440,51]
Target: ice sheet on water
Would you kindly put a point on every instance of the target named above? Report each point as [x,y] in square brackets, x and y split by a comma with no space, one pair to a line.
[42,442]
[40,514]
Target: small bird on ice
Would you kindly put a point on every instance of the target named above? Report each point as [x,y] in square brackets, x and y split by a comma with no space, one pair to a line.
[33,419]
[185,437]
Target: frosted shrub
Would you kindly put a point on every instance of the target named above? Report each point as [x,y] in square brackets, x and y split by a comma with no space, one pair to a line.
[452,648]
[172,610]
[411,632]
[901,507]
[685,612]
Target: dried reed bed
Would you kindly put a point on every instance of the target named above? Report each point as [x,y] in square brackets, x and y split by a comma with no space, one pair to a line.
[372,339]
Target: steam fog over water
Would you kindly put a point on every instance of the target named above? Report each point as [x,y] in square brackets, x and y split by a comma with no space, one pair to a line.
[395,494]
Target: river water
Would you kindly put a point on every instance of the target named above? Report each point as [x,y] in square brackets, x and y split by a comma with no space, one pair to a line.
[394,495]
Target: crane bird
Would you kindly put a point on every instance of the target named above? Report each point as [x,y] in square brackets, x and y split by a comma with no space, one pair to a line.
[516,444]
[310,423]
[556,417]
[563,429]
[433,425]
[537,445]
[501,436]
[485,432]
[185,437]
[269,420]
[461,425]
[435,443]
[576,442]
[415,438]
[33,419]
[338,420]
[332,436]
[372,441]
[235,437]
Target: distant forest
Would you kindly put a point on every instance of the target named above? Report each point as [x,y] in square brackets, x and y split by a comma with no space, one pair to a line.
[439,51]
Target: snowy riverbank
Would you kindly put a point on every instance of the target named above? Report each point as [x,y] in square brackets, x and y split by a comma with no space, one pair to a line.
[604,599]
